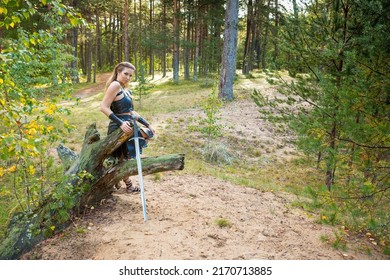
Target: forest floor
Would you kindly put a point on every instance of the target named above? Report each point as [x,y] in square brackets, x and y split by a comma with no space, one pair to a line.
[183,209]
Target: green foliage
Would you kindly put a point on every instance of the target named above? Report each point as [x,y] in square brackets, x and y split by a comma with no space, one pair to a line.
[212,130]
[339,241]
[337,104]
[63,199]
[14,12]
[359,211]
[39,60]
[32,62]
[143,87]
[209,126]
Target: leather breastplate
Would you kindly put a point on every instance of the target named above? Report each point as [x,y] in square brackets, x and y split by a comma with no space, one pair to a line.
[124,105]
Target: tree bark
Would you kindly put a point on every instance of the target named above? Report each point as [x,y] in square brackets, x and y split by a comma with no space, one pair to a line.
[27,229]
[276,36]
[89,56]
[187,50]
[151,30]
[126,30]
[197,44]
[176,40]
[137,43]
[265,40]
[247,50]
[228,69]
[165,31]
[140,34]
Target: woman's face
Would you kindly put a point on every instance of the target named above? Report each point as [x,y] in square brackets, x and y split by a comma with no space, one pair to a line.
[124,76]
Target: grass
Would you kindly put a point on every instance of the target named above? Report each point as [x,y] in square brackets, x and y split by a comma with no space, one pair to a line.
[169,97]
[223,223]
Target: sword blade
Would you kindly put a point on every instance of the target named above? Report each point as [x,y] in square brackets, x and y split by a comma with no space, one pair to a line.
[139,167]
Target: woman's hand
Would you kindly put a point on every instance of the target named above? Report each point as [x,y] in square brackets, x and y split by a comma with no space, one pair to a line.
[126,127]
[152,129]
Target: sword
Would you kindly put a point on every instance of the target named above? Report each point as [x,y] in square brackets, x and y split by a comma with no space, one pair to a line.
[139,166]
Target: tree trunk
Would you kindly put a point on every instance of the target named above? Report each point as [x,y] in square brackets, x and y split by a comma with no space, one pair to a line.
[140,33]
[136,45]
[249,24]
[330,166]
[89,56]
[119,37]
[197,43]
[187,51]
[228,69]
[265,40]
[99,57]
[164,51]
[74,66]
[126,30]
[97,42]
[27,229]
[151,30]
[176,40]
[276,35]
[253,55]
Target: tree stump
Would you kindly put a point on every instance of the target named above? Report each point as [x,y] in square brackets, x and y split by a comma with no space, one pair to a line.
[88,182]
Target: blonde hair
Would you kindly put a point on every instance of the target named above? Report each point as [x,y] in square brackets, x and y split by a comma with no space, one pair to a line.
[119,68]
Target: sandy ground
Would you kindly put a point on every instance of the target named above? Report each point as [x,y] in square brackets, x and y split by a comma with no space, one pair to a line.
[182,213]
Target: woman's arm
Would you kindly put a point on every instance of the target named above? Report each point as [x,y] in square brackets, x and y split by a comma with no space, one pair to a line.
[144,122]
[109,97]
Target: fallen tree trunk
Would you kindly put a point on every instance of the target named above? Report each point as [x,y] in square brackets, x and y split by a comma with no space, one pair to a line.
[87,183]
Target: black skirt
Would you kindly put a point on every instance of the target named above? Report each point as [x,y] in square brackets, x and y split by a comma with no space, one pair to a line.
[127,149]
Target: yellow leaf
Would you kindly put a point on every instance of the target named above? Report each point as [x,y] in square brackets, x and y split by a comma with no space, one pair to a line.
[31,131]
[12,168]
[3,10]
[50,109]
[31,170]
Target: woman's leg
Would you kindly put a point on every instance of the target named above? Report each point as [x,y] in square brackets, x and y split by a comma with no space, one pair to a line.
[129,186]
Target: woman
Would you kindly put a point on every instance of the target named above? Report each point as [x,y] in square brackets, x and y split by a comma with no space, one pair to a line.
[118,105]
